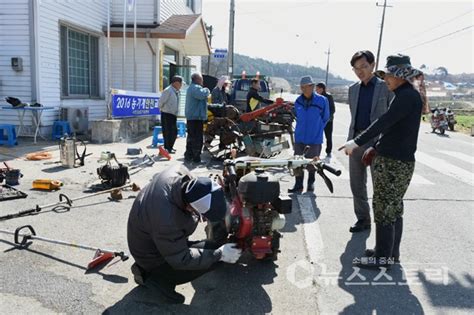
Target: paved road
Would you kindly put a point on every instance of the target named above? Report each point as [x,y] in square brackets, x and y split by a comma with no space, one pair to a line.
[313,274]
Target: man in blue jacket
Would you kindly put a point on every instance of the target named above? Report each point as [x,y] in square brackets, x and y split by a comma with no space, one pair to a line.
[312,114]
[196,116]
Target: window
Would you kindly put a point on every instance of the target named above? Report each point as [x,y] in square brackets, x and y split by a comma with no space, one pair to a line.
[190,4]
[79,63]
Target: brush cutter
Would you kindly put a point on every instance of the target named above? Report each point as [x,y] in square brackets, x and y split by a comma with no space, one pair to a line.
[23,236]
[65,201]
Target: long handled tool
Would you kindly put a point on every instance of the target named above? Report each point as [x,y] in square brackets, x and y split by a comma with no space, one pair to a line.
[67,202]
[22,238]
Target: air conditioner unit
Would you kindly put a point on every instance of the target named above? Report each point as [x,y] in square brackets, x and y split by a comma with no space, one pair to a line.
[78,118]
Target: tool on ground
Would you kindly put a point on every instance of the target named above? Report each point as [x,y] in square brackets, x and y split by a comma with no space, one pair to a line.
[12,177]
[134,151]
[164,153]
[66,202]
[69,153]
[9,193]
[39,156]
[112,176]
[146,160]
[23,236]
[47,184]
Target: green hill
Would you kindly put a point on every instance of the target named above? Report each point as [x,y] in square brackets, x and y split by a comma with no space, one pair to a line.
[291,72]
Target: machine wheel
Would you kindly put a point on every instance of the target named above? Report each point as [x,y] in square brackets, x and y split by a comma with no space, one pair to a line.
[451,126]
[441,131]
[434,130]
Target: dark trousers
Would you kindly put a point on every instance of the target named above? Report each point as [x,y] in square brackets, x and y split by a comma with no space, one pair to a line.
[165,274]
[328,135]
[169,129]
[194,141]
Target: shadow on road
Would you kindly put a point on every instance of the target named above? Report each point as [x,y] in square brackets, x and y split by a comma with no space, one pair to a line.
[228,289]
[374,291]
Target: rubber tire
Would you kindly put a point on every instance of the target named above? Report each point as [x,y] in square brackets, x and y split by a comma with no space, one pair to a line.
[441,131]
[451,126]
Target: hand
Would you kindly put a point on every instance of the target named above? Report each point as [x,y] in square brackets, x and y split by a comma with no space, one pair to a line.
[368,156]
[230,253]
[316,158]
[348,147]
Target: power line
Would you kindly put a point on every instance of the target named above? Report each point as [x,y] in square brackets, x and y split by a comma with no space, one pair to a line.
[443,23]
[438,38]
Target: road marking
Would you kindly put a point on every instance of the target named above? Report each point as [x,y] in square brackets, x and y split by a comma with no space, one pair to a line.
[460,156]
[312,232]
[445,168]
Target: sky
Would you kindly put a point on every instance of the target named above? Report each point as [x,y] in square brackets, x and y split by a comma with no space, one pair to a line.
[301,31]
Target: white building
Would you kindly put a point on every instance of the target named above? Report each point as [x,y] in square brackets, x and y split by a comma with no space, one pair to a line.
[63,49]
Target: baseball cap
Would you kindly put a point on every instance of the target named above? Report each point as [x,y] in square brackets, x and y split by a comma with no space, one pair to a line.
[207,197]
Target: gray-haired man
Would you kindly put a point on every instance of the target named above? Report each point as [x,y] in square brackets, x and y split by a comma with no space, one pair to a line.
[368,100]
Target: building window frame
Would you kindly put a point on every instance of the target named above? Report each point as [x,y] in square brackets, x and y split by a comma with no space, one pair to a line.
[92,45]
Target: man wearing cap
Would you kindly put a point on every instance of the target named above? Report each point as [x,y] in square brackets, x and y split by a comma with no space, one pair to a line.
[253,98]
[394,162]
[165,213]
[169,106]
[312,114]
[321,90]
[368,100]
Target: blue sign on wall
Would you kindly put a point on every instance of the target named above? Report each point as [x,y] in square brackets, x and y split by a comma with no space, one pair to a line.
[132,103]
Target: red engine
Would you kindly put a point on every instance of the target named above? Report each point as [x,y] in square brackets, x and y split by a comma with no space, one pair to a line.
[256,214]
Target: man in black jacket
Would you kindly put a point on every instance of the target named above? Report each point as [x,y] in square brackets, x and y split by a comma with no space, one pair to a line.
[253,98]
[163,216]
[321,90]
[394,163]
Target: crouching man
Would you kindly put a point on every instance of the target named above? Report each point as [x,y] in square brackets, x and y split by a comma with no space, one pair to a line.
[164,215]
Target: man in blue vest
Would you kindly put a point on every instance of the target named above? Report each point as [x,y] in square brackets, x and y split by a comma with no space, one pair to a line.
[312,114]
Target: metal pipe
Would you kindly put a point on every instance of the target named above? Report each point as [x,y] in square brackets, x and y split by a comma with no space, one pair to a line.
[124,39]
[134,45]
[109,70]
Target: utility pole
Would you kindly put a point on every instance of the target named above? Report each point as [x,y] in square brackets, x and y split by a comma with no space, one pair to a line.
[230,54]
[381,31]
[209,35]
[327,65]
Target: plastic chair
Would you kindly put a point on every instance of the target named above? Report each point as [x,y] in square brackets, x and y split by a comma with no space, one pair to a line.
[61,128]
[157,137]
[181,129]
[8,135]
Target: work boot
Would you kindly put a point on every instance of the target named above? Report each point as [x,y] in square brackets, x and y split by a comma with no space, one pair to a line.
[311,178]
[384,239]
[138,274]
[298,187]
[396,242]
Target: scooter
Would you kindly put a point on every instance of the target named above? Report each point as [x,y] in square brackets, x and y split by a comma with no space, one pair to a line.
[438,120]
[450,118]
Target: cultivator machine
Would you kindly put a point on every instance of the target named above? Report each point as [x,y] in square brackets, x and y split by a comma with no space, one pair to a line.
[259,133]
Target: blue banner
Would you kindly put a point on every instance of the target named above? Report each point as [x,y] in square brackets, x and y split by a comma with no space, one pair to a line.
[132,103]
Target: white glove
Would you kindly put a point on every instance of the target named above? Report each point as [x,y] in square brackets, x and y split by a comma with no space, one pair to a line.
[230,253]
[348,147]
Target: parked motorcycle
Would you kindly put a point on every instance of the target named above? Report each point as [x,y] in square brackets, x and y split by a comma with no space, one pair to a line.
[450,118]
[438,120]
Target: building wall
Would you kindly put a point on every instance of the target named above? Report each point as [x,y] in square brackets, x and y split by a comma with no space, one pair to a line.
[14,42]
[144,59]
[147,12]
[86,15]
[171,7]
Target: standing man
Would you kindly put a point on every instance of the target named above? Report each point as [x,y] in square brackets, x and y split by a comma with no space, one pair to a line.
[163,216]
[253,98]
[368,100]
[394,162]
[196,116]
[321,90]
[312,114]
[169,105]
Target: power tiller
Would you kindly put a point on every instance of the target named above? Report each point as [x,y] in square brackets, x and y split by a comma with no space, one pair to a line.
[257,208]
